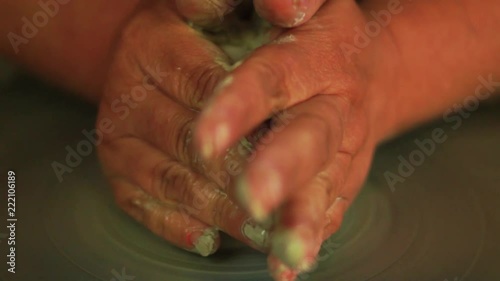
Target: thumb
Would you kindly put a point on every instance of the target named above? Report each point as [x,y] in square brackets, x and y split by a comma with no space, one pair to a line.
[207,12]
[288,13]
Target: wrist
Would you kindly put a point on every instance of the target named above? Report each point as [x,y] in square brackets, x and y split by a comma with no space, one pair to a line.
[75,47]
[382,67]
[426,61]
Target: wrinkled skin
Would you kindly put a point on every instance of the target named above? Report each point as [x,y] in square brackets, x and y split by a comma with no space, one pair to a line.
[152,99]
[306,170]
[285,13]
[313,168]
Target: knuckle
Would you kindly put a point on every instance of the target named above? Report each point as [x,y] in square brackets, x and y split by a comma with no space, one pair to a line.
[280,94]
[174,182]
[217,8]
[325,181]
[199,195]
[177,134]
[200,85]
[166,178]
[183,140]
[184,186]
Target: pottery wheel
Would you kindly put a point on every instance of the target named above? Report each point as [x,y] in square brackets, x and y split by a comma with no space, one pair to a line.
[441,223]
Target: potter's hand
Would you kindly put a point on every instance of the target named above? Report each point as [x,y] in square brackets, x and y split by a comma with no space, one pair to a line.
[285,13]
[310,170]
[159,79]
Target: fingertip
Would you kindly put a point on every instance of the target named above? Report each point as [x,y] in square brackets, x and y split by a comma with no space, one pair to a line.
[288,247]
[260,190]
[213,132]
[287,14]
[205,242]
[279,271]
[212,144]
[247,200]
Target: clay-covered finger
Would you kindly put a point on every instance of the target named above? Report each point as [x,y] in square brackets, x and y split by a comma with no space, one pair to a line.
[298,64]
[168,180]
[290,156]
[344,196]
[297,239]
[280,75]
[279,270]
[287,13]
[166,219]
[169,126]
[339,197]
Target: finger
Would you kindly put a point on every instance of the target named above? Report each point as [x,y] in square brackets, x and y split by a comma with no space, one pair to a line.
[293,156]
[279,271]
[343,198]
[168,127]
[339,199]
[187,77]
[298,235]
[206,13]
[166,219]
[167,180]
[332,181]
[287,13]
[285,72]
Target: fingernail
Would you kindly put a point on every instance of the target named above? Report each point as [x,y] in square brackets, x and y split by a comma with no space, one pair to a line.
[288,247]
[256,233]
[299,18]
[204,242]
[300,6]
[283,273]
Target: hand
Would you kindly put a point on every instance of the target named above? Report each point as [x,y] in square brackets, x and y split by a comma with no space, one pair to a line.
[161,76]
[285,13]
[310,170]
